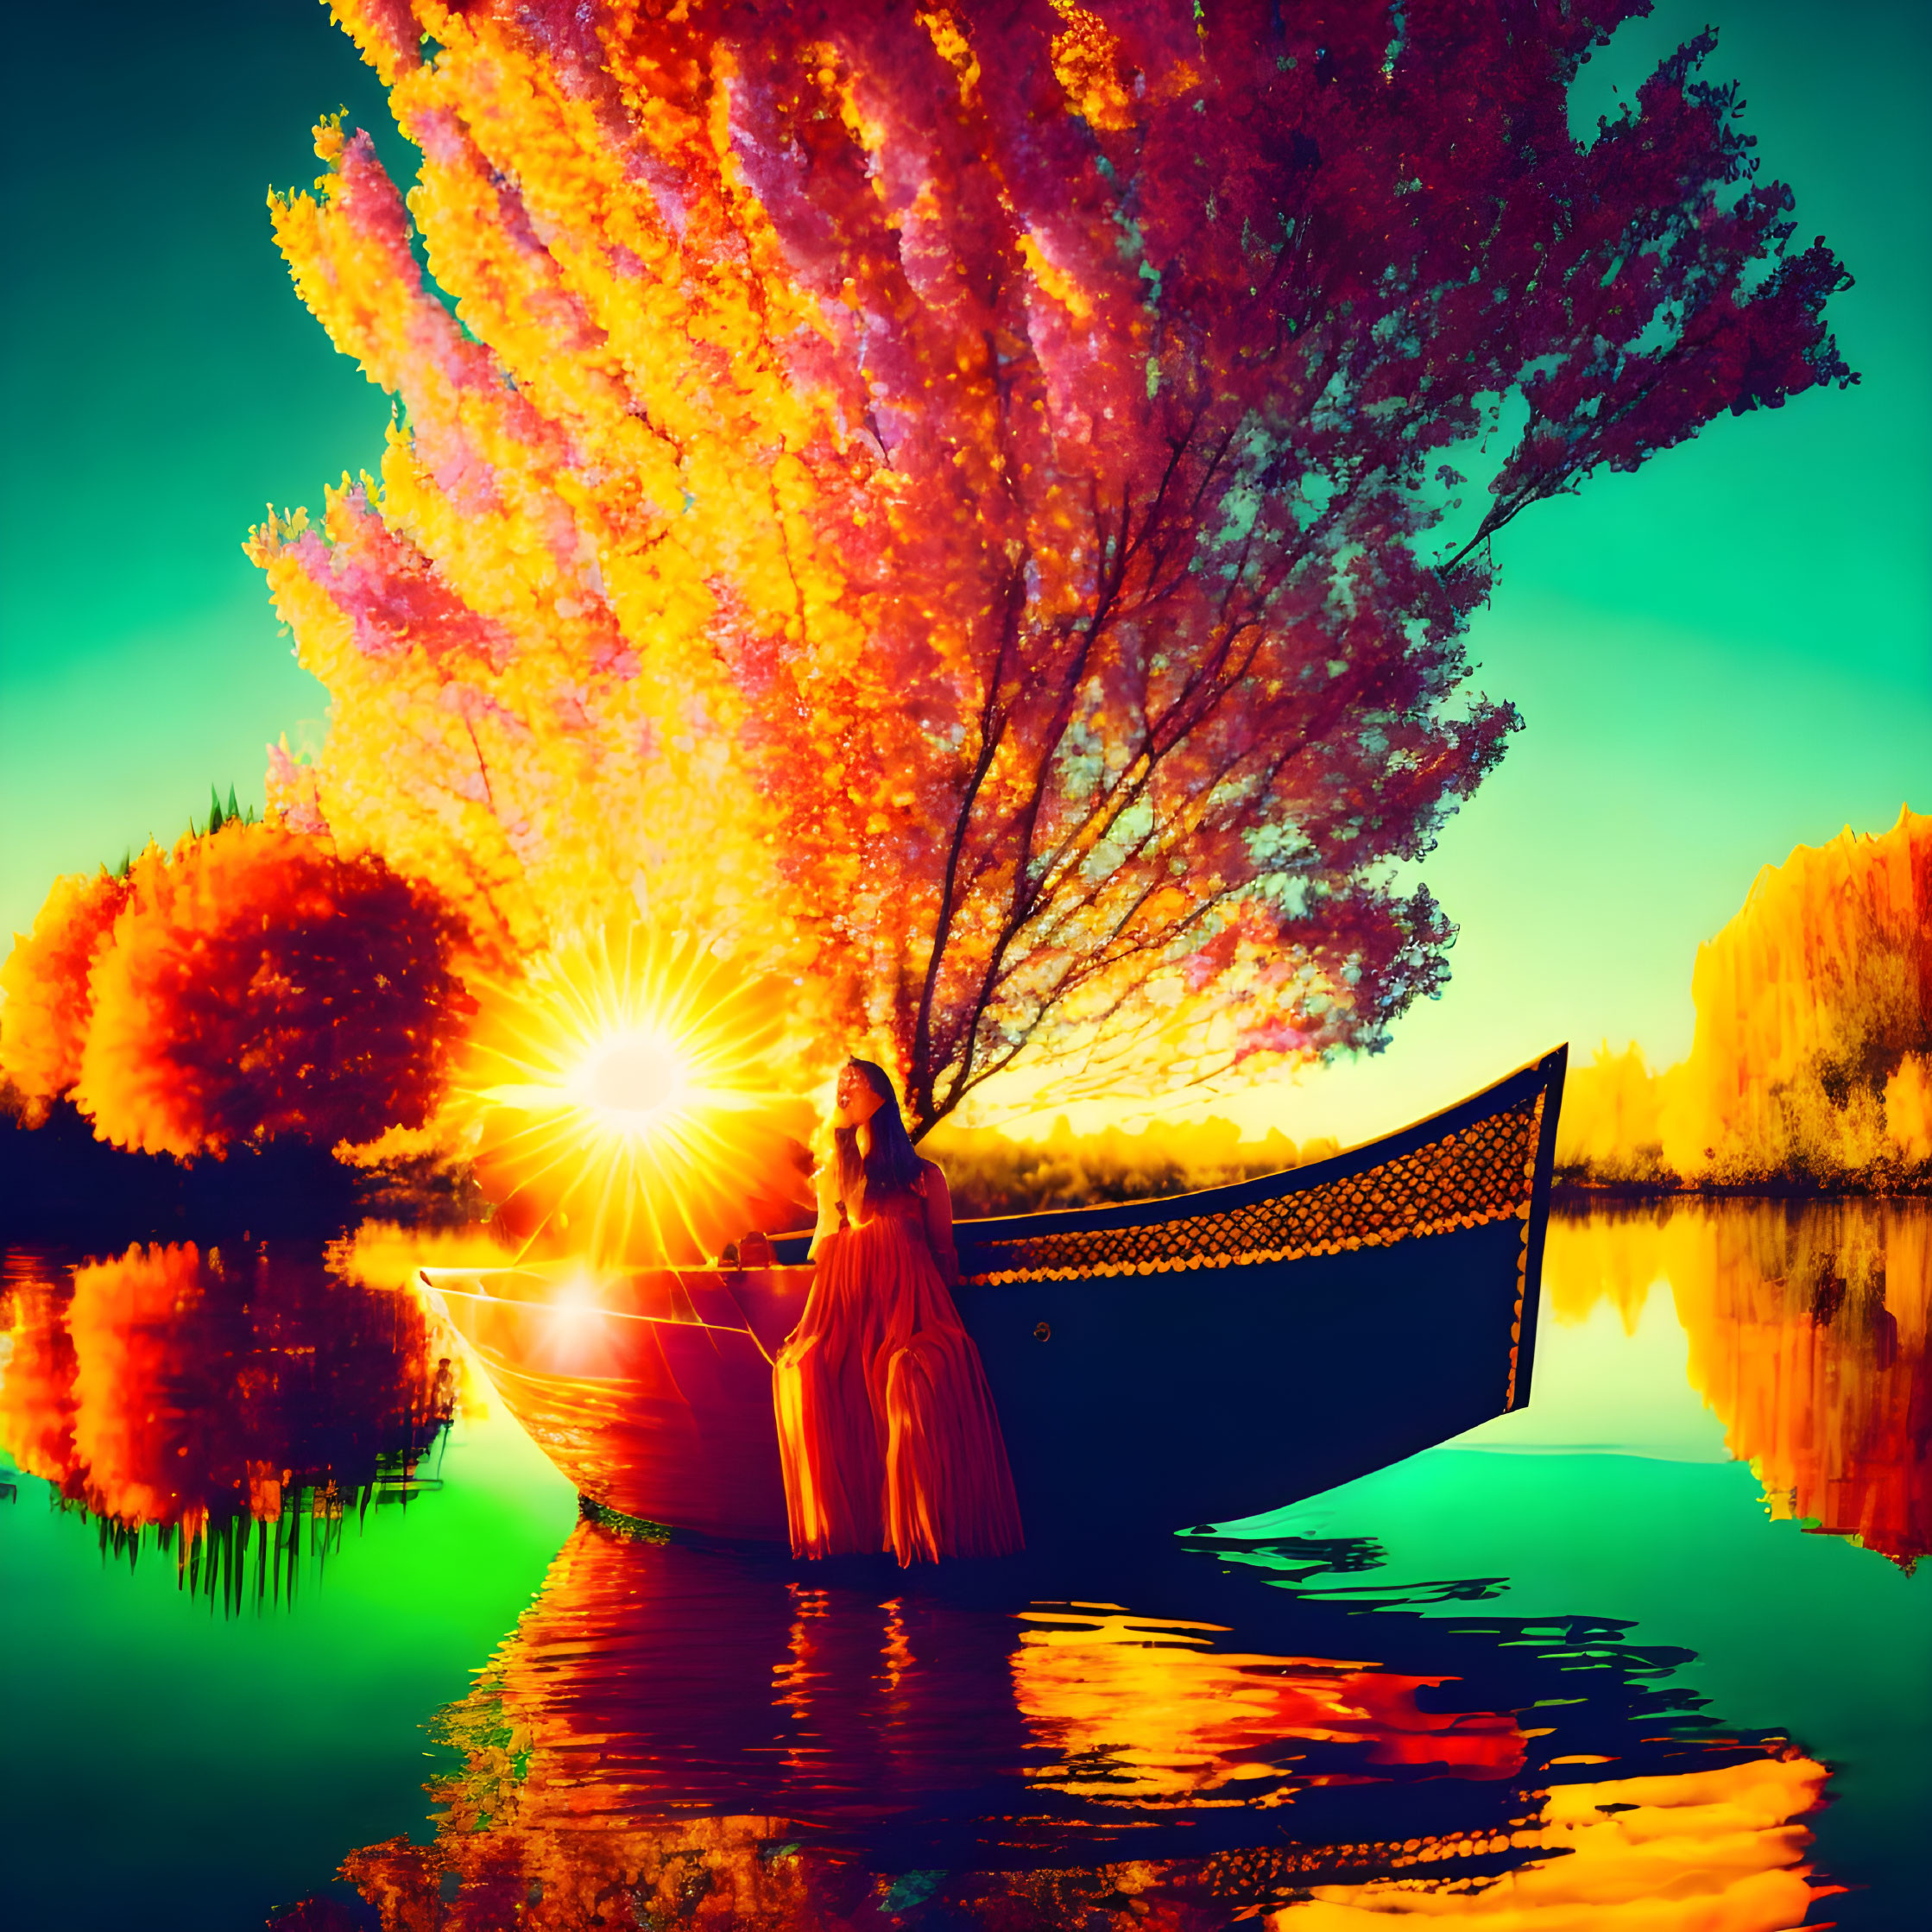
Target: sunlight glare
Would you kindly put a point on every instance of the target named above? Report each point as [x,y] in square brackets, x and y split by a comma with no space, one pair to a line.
[635,1080]
[630,1089]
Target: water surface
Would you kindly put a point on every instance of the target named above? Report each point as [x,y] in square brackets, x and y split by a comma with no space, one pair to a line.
[1650,1653]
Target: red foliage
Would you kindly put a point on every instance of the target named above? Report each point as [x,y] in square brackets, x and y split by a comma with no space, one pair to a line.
[257,985]
[1160,489]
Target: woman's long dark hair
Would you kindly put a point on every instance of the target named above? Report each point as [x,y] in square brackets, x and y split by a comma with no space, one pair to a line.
[892,1165]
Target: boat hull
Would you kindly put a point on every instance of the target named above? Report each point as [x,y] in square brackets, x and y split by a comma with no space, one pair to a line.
[655,1398]
[1170,1401]
[1154,1365]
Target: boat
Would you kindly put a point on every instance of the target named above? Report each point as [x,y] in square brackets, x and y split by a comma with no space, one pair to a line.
[1156,1365]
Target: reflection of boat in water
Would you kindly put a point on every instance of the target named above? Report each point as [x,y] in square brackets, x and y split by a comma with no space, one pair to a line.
[1155,1363]
[681,1736]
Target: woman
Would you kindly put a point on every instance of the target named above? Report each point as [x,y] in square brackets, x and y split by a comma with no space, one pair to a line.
[885,1422]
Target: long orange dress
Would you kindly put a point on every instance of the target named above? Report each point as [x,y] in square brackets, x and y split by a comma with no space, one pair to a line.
[886,1425]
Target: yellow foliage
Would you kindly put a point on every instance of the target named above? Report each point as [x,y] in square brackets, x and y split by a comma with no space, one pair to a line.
[1087,63]
[49,996]
[1610,1112]
[1806,1002]
[1812,1057]
[546,734]
[1909,1107]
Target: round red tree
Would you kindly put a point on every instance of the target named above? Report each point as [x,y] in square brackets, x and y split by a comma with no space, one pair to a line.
[258,985]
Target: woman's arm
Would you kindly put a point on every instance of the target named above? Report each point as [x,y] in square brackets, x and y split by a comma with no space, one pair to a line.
[939,1225]
[829,1220]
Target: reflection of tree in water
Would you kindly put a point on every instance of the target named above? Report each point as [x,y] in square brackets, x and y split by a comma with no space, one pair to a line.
[677,1737]
[233,1409]
[1807,1337]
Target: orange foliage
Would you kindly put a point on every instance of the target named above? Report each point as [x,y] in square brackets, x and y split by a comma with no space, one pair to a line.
[254,985]
[48,1003]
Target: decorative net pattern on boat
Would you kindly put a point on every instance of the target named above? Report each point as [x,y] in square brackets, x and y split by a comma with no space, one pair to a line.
[1481,1173]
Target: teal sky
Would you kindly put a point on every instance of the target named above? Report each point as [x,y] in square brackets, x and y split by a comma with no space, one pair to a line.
[1722,657]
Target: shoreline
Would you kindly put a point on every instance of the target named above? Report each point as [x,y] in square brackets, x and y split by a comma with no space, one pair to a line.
[1568,1192]
[60,1186]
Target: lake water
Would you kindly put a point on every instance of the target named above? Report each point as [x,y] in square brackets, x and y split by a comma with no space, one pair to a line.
[1650,1655]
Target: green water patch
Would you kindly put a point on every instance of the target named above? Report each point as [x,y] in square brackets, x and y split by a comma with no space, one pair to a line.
[174,1764]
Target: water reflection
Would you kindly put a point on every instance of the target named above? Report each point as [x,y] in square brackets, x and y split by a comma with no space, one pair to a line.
[1807,1327]
[684,1736]
[232,1409]
[1144,1713]
[680,1736]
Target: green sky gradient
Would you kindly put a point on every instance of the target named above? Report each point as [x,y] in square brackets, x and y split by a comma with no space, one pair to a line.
[1717,659]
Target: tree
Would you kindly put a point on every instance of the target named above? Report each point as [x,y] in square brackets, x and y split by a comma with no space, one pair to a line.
[951,501]
[248,986]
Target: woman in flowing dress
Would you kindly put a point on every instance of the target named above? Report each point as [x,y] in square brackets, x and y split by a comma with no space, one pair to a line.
[886,1426]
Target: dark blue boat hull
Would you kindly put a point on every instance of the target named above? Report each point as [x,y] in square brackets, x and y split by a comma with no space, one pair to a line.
[1170,1401]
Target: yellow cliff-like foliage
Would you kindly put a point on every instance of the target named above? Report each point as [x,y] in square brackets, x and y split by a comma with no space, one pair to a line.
[1809,1002]
[1811,1063]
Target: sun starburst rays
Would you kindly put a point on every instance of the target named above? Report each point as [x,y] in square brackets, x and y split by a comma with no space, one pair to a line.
[629,1098]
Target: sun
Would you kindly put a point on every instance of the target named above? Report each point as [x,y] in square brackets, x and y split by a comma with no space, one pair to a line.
[632,1096]
[635,1080]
